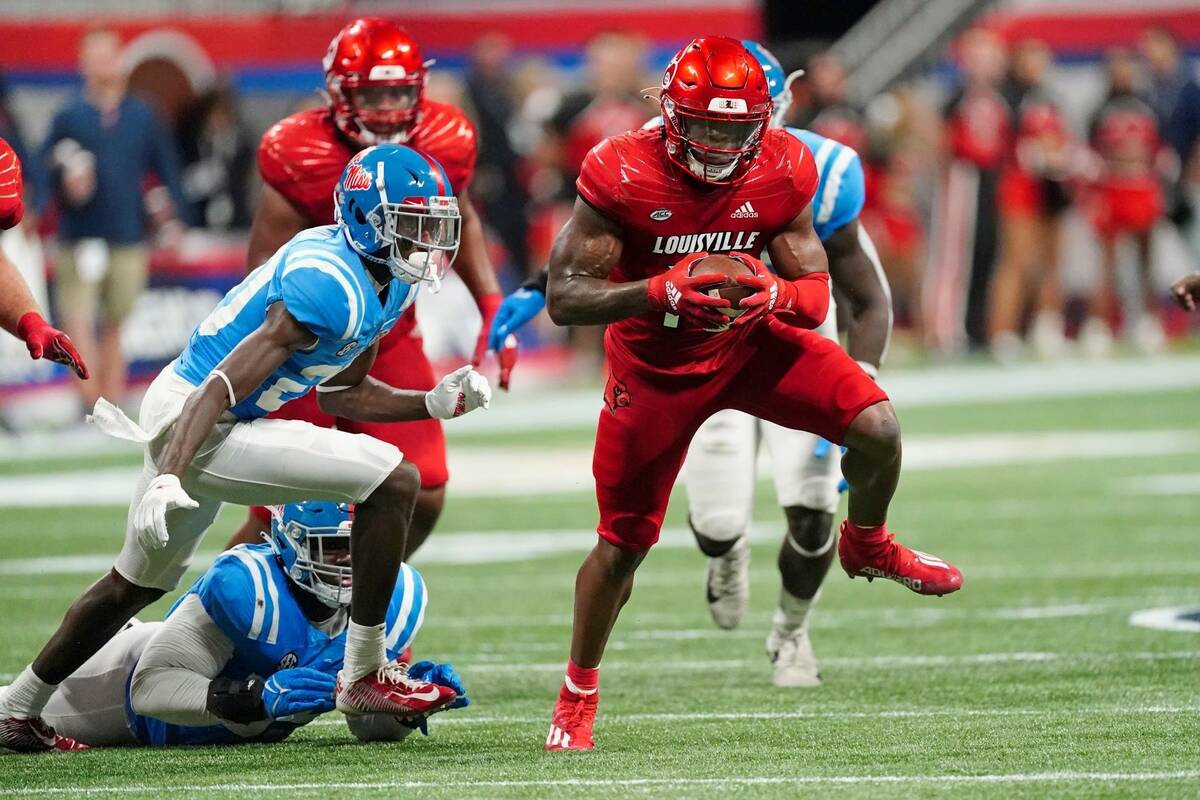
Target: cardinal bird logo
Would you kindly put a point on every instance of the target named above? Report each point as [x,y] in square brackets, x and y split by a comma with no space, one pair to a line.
[616,395]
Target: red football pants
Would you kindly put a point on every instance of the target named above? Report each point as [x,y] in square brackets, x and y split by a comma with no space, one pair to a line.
[790,376]
[401,363]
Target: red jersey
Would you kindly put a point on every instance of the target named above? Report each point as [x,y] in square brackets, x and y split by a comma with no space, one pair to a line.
[665,214]
[302,156]
[11,187]
[979,127]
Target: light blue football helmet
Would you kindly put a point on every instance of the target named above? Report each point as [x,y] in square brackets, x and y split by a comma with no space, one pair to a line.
[778,84]
[312,541]
[397,208]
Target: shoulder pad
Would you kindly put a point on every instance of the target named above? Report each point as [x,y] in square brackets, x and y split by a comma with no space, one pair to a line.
[241,595]
[321,291]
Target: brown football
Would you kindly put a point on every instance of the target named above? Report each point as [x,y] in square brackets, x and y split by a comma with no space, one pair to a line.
[730,268]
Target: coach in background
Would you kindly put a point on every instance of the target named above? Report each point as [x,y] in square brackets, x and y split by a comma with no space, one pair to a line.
[100,149]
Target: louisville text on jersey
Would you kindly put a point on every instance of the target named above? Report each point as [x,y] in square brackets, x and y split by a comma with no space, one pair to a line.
[712,242]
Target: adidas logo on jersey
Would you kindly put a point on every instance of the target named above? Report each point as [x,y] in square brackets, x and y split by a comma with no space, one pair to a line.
[744,211]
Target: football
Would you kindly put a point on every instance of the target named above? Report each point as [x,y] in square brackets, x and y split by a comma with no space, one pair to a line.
[731,291]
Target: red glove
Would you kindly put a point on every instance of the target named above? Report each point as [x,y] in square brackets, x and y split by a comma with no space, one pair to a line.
[508,360]
[802,302]
[12,206]
[45,341]
[677,291]
[489,304]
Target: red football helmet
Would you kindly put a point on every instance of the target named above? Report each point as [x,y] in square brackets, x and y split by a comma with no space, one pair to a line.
[375,76]
[715,107]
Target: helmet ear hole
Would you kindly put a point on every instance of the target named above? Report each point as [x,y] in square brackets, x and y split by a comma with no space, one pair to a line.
[359,216]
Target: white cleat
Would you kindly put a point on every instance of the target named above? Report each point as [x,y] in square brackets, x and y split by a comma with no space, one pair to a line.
[795,663]
[1148,335]
[1095,338]
[1047,336]
[728,587]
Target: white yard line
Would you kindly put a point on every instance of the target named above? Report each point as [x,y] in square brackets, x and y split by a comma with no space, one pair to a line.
[517,665]
[625,783]
[486,472]
[738,716]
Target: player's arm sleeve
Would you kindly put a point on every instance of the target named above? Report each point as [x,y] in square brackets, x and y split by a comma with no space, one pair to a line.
[599,180]
[179,662]
[322,297]
[843,195]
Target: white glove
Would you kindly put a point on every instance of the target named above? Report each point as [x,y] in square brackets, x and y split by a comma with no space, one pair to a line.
[457,393]
[150,519]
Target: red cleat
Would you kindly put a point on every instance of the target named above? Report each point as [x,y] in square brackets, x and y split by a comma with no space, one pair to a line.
[878,555]
[389,690]
[571,726]
[34,736]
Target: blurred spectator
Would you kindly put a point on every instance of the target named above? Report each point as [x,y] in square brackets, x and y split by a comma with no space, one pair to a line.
[609,103]
[1033,196]
[101,148]
[497,189]
[218,157]
[1175,98]
[1126,199]
[829,113]
[1174,94]
[978,134]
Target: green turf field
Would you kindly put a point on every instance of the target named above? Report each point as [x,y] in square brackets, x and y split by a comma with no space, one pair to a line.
[1030,682]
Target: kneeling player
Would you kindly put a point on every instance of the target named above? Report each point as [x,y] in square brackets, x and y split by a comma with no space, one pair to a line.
[250,653]
[309,318]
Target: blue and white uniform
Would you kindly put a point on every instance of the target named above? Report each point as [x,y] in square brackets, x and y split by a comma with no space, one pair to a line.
[321,281]
[248,460]
[841,186]
[249,598]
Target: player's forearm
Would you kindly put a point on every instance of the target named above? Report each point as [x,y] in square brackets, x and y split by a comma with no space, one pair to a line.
[200,413]
[584,300]
[374,401]
[473,264]
[15,298]
[868,332]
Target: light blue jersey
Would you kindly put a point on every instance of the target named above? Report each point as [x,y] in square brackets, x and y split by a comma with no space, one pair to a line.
[248,596]
[321,281]
[841,187]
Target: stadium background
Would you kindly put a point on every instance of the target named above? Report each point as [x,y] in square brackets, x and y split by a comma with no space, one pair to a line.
[1067,490]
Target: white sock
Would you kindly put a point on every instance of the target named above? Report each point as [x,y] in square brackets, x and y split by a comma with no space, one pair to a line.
[365,651]
[27,695]
[792,613]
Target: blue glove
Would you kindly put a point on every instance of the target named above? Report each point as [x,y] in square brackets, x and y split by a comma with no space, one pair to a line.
[442,675]
[292,691]
[515,310]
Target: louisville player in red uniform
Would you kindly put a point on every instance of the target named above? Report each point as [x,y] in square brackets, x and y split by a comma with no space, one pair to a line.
[712,179]
[19,314]
[375,79]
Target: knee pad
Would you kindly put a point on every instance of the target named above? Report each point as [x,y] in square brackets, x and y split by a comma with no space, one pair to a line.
[719,524]
[633,534]
[810,532]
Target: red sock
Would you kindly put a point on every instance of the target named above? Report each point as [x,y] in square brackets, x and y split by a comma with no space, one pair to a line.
[582,680]
[872,532]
